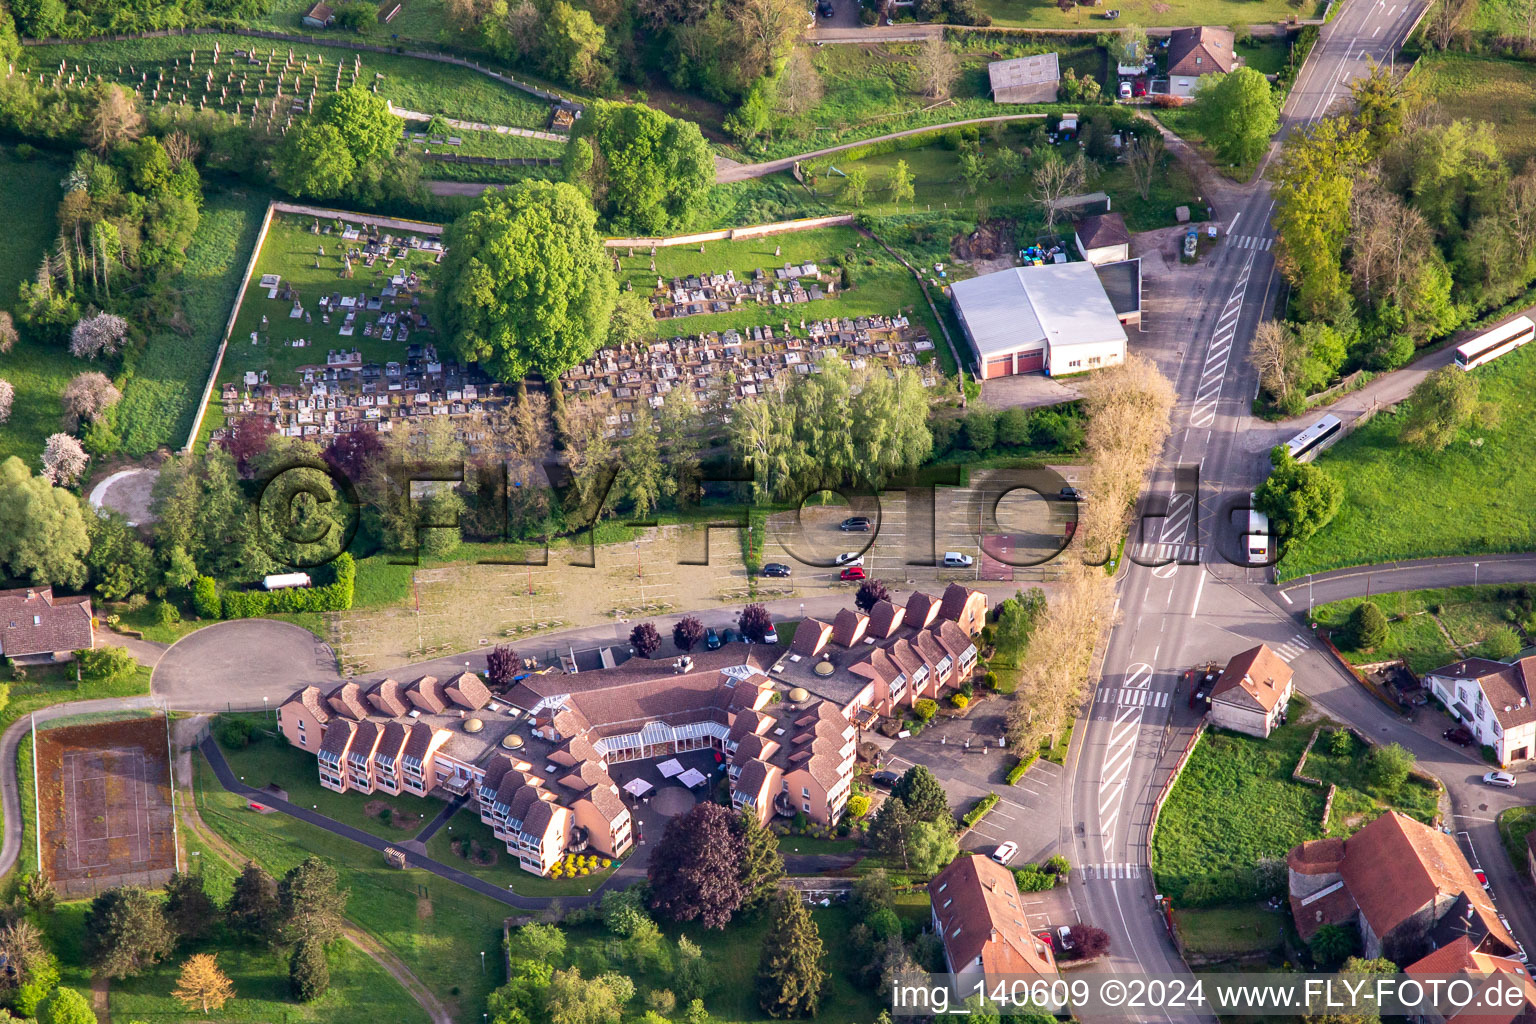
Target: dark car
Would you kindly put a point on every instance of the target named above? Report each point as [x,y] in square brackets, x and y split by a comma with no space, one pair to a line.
[776,569]
[1460,735]
[824,8]
[1070,493]
[856,524]
[886,779]
[711,639]
[730,636]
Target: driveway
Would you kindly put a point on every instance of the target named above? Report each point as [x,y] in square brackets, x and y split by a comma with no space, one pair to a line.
[237,664]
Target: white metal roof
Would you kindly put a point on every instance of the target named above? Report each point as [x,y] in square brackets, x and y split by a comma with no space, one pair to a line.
[1021,71]
[1060,304]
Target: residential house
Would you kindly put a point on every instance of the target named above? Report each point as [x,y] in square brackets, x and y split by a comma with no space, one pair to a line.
[1103,238]
[1252,692]
[1458,958]
[1194,52]
[1493,700]
[36,626]
[980,918]
[1406,885]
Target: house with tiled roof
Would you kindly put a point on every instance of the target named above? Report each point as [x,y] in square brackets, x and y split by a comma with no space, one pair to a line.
[964,607]
[303,716]
[1196,52]
[980,918]
[1251,694]
[347,700]
[1406,885]
[1493,699]
[1484,970]
[387,697]
[885,619]
[35,625]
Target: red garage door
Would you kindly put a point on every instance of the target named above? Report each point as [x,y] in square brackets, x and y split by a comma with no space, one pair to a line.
[1030,361]
[999,367]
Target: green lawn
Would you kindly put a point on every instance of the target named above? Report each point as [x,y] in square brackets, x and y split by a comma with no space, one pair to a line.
[1236,804]
[1401,502]
[1248,929]
[480,144]
[1515,823]
[1266,55]
[408,82]
[1500,92]
[1150,13]
[38,372]
[166,381]
[437,928]
[1468,614]
[291,251]
[466,827]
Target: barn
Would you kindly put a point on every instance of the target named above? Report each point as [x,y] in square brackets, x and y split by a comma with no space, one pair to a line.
[1055,318]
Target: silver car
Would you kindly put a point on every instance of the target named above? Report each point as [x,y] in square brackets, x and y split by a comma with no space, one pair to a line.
[1499,779]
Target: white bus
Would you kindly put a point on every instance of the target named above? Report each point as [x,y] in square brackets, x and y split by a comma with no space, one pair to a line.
[1256,537]
[1305,445]
[1502,339]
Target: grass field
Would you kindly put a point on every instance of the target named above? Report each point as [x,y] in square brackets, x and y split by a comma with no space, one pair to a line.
[38,372]
[160,396]
[436,927]
[1401,502]
[409,82]
[1248,929]
[1467,614]
[1149,13]
[466,827]
[1515,823]
[1500,92]
[472,143]
[1236,805]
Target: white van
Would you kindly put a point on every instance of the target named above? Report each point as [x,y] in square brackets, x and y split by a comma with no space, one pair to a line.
[955,560]
[1256,536]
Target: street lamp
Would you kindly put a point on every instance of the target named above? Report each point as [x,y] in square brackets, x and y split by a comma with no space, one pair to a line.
[1474,573]
[482,961]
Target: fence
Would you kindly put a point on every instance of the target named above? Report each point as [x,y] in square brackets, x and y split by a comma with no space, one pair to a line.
[733,234]
[491,161]
[344,44]
[1173,777]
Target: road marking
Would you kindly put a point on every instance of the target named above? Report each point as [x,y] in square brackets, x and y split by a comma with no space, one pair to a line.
[1286,596]
[1139,675]
[1112,871]
[1134,698]
[1199,589]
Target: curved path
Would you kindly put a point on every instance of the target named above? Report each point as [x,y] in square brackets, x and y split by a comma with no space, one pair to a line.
[239,663]
[730,170]
[1388,577]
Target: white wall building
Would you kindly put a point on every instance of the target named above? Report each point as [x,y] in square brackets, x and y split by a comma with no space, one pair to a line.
[1493,700]
[1055,318]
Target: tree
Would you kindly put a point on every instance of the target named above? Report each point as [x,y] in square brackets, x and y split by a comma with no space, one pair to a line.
[1389,766]
[932,845]
[7,399]
[8,335]
[573,44]
[1007,164]
[648,172]
[790,975]
[800,87]
[30,965]
[632,318]
[501,665]
[98,335]
[854,187]
[1276,355]
[973,171]
[762,866]
[87,398]
[695,871]
[645,639]
[309,974]
[1313,183]
[1144,156]
[937,68]
[544,943]
[1088,941]
[642,477]
[690,976]
[65,1006]
[755,622]
[1237,114]
[311,902]
[126,932]
[1130,48]
[528,288]
[871,593]
[1055,178]
[1367,626]
[891,831]
[687,632]
[920,790]
[1331,944]
[315,162]
[64,460]
[572,999]
[346,142]
[189,910]
[250,436]
[1440,405]
[1501,644]
[43,535]
[1299,498]
[902,188]
[201,983]
[115,119]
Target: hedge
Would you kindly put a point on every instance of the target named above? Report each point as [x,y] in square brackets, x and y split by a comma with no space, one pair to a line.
[1025,763]
[1032,879]
[332,597]
[979,811]
[205,598]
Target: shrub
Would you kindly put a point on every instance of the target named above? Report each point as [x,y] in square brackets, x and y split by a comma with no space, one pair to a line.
[926,709]
[858,805]
[101,663]
[1367,626]
[979,810]
[1032,879]
[335,596]
[1017,771]
[234,733]
[1056,864]
[308,973]
[205,598]
[960,701]
[166,614]
[1340,742]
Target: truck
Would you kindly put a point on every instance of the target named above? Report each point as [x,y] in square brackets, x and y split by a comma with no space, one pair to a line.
[1256,535]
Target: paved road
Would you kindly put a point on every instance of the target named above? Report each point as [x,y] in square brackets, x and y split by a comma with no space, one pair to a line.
[238,663]
[1302,594]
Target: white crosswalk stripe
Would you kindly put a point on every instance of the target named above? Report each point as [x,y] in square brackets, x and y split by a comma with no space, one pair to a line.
[1128,698]
[1293,648]
[1188,553]
[1113,871]
[1252,242]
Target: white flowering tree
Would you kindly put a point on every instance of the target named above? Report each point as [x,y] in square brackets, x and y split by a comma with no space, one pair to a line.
[98,335]
[7,397]
[87,398]
[64,461]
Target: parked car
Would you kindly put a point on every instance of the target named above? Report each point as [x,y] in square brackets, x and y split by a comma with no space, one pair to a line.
[1499,779]
[856,524]
[730,636]
[772,636]
[824,8]
[1064,937]
[885,778]
[1459,735]
[849,558]
[711,639]
[1005,853]
[1125,89]
[853,572]
[1482,879]
[1070,493]
[776,569]
[1047,938]
[1139,87]
[955,560]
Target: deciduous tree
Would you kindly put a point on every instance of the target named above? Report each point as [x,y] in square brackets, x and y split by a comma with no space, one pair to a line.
[1440,405]
[903,189]
[1313,183]
[937,68]
[43,536]
[202,984]
[800,88]
[7,399]
[931,846]
[1055,178]
[1144,158]
[790,975]
[528,288]
[1299,497]
[65,1006]
[501,665]
[8,335]
[114,119]
[871,593]
[86,399]
[755,622]
[645,639]
[64,461]
[573,45]
[98,335]
[694,871]
[1237,114]
[687,632]
[646,172]
[854,187]
[189,910]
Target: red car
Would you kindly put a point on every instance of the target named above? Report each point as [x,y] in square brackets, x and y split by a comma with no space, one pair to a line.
[1482,879]
[1139,86]
[853,572]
